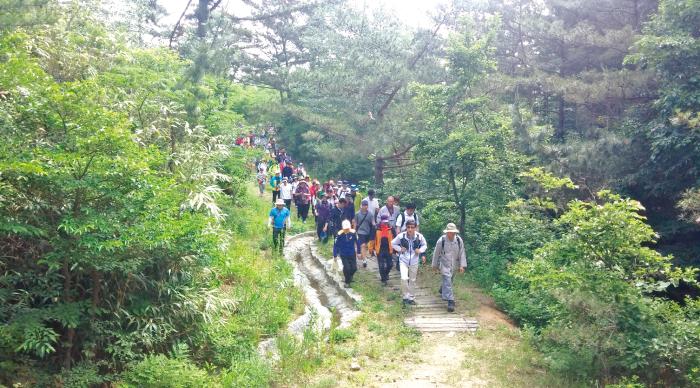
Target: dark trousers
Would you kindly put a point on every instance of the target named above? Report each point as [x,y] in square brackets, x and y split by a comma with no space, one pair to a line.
[349,267]
[288,204]
[385,261]
[275,194]
[278,239]
[303,211]
[319,231]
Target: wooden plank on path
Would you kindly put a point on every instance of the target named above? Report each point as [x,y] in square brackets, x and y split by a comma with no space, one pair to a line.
[441,323]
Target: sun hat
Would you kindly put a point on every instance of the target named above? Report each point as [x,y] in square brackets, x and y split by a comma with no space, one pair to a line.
[451,228]
[279,201]
[346,225]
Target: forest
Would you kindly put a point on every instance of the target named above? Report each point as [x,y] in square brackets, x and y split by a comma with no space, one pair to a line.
[562,137]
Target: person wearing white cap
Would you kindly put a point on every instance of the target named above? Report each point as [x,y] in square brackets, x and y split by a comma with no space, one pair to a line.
[348,248]
[279,220]
[448,256]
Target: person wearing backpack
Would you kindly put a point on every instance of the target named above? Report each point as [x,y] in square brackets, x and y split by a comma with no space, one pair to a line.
[449,256]
[275,183]
[410,245]
[347,247]
[382,248]
[279,221]
[363,224]
[407,215]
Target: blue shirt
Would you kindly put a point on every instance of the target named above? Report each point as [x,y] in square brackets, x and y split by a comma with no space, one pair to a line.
[279,217]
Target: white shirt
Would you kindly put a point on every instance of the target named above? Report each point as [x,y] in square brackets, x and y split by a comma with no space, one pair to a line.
[409,257]
[286,191]
[403,218]
[373,204]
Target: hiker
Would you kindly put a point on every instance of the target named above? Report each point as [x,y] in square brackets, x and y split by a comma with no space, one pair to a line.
[363,224]
[343,189]
[356,199]
[407,215]
[372,201]
[287,170]
[392,212]
[323,215]
[346,246]
[349,209]
[275,183]
[410,245]
[374,208]
[336,217]
[286,193]
[449,254]
[383,249]
[302,199]
[279,221]
[262,178]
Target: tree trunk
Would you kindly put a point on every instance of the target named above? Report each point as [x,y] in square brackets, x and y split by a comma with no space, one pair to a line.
[462,218]
[560,131]
[379,171]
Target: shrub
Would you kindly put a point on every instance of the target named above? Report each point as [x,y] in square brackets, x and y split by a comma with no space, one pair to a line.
[159,371]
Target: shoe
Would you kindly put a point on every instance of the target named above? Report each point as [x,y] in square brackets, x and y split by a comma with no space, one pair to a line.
[384,283]
[450,306]
[347,285]
[412,302]
[364,263]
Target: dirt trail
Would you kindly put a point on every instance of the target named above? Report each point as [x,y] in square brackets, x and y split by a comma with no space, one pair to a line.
[442,357]
[449,347]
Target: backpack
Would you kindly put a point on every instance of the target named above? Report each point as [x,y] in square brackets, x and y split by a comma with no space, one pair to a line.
[403,218]
[459,242]
[404,242]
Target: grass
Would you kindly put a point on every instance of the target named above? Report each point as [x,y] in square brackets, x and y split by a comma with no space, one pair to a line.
[386,349]
[266,301]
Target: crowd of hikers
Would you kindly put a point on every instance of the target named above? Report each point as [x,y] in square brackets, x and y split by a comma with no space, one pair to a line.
[360,228]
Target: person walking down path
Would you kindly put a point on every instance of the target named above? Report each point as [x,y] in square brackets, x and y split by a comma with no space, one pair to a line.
[336,218]
[286,193]
[323,215]
[364,225]
[279,220]
[347,247]
[392,213]
[275,183]
[410,245]
[407,215]
[383,250]
[262,179]
[302,198]
[448,256]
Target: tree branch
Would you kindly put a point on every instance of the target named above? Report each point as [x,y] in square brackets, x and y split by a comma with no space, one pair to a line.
[182,15]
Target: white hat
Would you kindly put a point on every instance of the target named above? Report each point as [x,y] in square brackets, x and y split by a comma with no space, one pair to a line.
[346,225]
[279,201]
[451,228]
